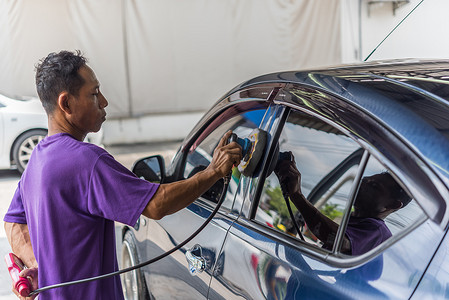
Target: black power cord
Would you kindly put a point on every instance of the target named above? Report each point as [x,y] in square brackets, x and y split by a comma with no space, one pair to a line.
[214,212]
[287,201]
[288,156]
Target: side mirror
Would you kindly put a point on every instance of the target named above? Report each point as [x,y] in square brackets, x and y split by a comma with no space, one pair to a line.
[150,168]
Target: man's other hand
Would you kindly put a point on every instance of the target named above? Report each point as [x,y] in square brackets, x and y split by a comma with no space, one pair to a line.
[32,275]
[289,176]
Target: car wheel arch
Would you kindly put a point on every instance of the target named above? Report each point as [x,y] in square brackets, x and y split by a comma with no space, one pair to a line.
[129,242]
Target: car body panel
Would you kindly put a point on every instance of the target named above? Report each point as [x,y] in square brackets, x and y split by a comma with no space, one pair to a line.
[435,283]
[343,280]
[173,272]
[293,274]
[396,111]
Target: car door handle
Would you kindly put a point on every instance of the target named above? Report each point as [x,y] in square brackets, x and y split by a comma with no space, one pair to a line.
[197,263]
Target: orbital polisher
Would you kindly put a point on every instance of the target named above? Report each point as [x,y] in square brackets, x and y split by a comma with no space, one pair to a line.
[252,150]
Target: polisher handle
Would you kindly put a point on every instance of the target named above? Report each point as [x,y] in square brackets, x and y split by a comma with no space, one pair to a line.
[232,138]
[15,266]
[244,143]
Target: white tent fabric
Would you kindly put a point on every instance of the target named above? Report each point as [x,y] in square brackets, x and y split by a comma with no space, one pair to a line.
[167,56]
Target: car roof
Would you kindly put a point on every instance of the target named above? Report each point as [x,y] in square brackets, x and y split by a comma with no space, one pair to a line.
[410,97]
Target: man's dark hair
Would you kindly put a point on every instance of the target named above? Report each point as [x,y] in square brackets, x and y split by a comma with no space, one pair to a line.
[56,73]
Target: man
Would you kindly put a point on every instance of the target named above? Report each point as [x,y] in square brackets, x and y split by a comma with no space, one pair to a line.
[378,196]
[61,218]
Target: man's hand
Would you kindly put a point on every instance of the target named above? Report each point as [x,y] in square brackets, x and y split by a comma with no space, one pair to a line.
[32,276]
[19,239]
[288,175]
[225,156]
[171,197]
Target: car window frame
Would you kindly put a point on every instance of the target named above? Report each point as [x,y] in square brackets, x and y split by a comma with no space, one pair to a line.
[327,106]
[334,258]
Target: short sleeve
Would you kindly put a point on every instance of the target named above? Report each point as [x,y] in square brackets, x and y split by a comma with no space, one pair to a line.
[366,234]
[16,211]
[115,193]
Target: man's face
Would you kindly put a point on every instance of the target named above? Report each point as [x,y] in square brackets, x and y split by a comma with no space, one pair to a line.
[374,193]
[88,108]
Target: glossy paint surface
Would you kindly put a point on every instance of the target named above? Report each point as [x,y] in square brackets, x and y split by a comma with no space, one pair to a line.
[398,111]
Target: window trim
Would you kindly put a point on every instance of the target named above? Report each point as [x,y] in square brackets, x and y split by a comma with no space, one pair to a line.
[337,260]
[260,180]
[352,194]
[428,189]
[334,257]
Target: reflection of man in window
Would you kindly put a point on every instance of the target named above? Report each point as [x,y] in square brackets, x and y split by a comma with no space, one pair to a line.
[379,195]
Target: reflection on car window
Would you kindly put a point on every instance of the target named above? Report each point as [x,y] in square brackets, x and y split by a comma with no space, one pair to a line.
[316,170]
[327,162]
[199,158]
[382,209]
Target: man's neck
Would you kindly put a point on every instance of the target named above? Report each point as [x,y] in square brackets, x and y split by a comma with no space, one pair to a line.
[54,127]
[370,215]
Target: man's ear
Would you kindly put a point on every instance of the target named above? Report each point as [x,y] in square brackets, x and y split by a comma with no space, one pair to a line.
[64,102]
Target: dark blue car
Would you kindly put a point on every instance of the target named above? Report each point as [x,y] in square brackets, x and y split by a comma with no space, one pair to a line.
[341,125]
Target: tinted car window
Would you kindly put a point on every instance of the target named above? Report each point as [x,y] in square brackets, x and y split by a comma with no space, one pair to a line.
[382,209]
[328,162]
[200,155]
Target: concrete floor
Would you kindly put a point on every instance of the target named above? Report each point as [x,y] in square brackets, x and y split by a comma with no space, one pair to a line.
[125,154]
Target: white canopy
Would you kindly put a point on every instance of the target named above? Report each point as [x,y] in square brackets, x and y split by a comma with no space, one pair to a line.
[167,56]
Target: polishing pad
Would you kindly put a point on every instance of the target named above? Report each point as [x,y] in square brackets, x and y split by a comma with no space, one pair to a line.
[248,164]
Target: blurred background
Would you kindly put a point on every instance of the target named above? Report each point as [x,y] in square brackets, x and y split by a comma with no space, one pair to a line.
[162,64]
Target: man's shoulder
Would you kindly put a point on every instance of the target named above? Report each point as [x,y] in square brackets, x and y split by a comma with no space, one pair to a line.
[80,153]
[65,143]
[94,149]
[83,151]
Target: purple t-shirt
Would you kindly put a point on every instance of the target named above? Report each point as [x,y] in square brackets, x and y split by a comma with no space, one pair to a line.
[70,195]
[366,233]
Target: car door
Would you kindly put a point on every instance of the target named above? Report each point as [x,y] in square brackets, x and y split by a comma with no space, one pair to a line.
[180,276]
[266,258]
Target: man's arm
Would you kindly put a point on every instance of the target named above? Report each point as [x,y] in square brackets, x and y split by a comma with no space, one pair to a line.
[172,197]
[19,239]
